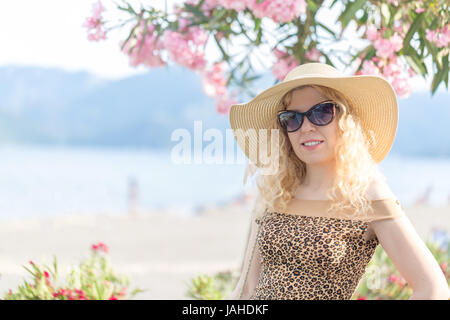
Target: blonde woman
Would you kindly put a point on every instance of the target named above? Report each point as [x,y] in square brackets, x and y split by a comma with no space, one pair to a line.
[320,215]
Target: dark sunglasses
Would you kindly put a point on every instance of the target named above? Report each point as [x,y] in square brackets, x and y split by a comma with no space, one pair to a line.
[320,115]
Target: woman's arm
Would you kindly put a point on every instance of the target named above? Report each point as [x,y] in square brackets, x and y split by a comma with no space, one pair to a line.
[253,274]
[408,252]
[412,258]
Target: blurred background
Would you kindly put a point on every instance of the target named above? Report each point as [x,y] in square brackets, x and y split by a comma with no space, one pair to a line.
[85,156]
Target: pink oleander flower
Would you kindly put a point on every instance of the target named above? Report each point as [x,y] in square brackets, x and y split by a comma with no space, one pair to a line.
[444,266]
[441,38]
[393,69]
[313,54]
[207,7]
[214,81]
[237,5]
[386,48]
[94,24]
[394,2]
[397,280]
[371,33]
[420,10]
[401,87]
[149,53]
[411,72]
[100,247]
[46,274]
[224,103]
[284,64]
[369,67]
[278,10]
[180,49]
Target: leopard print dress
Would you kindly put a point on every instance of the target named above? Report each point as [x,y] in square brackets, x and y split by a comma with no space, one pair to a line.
[308,255]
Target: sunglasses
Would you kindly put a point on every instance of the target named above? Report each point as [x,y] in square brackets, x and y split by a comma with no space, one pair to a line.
[320,115]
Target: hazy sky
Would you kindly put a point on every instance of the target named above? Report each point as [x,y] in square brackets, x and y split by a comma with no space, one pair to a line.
[50,33]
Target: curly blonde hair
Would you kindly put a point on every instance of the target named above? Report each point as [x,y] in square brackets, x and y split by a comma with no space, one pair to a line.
[355,167]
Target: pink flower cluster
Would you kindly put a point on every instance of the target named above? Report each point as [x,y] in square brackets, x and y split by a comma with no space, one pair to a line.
[95,23]
[313,54]
[441,38]
[215,85]
[284,64]
[76,294]
[385,63]
[397,280]
[277,10]
[186,48]
[149,53]
[100,247]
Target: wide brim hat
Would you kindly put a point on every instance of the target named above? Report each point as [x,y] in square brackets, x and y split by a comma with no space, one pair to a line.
[372,99]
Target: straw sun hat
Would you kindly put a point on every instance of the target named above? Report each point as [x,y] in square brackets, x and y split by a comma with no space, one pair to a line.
[373,100]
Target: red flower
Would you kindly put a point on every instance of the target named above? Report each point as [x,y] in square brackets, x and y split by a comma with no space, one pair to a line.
[46,274]
[397,280]
[113,297]
[122,292]
[362,298]
[444,266]
[100,246]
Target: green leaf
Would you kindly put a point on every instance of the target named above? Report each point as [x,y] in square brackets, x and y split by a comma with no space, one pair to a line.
[385,13]
[334,2]
[417,65]
[349,12]
[143,36]
[312,6]
[129,36]
[327,59]
[412,30]
[218,15]
[357,55]
[196,11]
[327,29]
[257,24]
[441,75]
[398,15]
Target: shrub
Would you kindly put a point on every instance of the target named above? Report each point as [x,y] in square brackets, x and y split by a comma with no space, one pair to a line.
[93,279]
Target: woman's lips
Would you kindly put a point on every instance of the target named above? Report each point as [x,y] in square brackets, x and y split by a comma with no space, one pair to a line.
[312,147]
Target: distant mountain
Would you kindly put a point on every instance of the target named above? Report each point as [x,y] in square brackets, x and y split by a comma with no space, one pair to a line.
[52,106]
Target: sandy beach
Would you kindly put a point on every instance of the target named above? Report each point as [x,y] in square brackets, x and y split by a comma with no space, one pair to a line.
[158,251]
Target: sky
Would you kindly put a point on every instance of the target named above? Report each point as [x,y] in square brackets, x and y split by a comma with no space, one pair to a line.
[49,33]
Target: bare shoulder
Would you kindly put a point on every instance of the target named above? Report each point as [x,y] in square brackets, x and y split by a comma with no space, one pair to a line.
[379,189]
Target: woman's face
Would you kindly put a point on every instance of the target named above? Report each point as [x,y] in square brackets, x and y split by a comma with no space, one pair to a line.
[302,100]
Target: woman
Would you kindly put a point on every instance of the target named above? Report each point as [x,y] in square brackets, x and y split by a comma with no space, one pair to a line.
[321,214]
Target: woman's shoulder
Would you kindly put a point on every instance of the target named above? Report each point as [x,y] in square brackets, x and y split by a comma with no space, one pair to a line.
[385,204]
[379,190]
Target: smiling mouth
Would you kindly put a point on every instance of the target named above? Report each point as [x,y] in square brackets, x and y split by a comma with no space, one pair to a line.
[315,143]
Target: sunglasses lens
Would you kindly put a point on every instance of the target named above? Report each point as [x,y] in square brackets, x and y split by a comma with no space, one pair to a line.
[290,121]
[323,114]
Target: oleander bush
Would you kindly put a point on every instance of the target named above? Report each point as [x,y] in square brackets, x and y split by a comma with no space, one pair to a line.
[92,279]
[381,281]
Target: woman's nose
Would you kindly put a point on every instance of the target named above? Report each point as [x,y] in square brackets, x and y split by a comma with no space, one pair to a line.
[307,125]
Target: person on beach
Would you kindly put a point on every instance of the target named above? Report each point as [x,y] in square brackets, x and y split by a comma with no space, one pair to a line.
[323,207]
